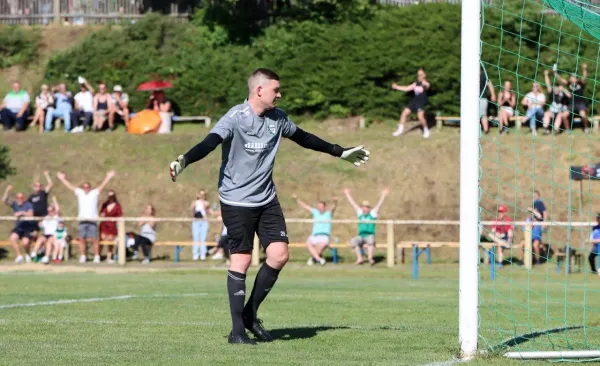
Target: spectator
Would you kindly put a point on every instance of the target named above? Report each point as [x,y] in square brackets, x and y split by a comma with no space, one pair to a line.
[319,239]
[159,103]
[49,225]
[539,214]
[558,110]
[87,200]
[120,107]
[43,103]
[578,104]
[147,235]
[222,249]
[63,107]
[507,103]
[84,107]
[420,88]
[484,84]
[595,240]
[502,232]
[108,229]
[200,208]
[102,104]
[534,101]
[39,197]
[23,229]
[59,242]
[15,107]
[366,230]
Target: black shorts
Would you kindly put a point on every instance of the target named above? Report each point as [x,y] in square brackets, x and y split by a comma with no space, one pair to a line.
[578,106]
[417,104]
[23,232]
[242,222]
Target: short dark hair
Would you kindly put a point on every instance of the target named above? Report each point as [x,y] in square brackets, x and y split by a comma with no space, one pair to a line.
[537,192]
[266,73]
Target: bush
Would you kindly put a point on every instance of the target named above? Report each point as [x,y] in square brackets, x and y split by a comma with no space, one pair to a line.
[18,45]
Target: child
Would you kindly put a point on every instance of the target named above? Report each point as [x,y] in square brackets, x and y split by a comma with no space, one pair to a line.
[49,225]
[60,242]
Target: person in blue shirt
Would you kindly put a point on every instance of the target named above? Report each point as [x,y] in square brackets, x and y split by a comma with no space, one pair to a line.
[539,214]
[595,240]
[24,229]
[319,239]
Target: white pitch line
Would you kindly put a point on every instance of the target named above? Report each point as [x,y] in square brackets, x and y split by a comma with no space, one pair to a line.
[94,299]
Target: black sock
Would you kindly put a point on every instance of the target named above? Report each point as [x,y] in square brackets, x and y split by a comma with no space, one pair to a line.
[236,287]
[264,282]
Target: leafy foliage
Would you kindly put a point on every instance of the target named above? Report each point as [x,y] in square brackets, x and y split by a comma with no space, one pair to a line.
[18,45]
[5,168]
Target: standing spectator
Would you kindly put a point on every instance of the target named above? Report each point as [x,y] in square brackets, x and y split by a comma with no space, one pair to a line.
[63,107]
[558,110]
[23,229]
[15,108]
[201,208]
[102,104]
[420,88]
[84,107]
[108,229]
[366,230]
[120,107]
[502,232]
[539,213]
[43,103]
[147,235]
[319,239]
[507,103]
[159,103]
[39,197]
[595,240]
[87,200]
[534,101]
[49,226]
[484,84]
[578,104]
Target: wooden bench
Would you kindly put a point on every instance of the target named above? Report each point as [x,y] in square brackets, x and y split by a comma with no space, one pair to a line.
[206,119]
[576,260]
[518,120]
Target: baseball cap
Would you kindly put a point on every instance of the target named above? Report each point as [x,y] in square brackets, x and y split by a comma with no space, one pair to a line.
[598,215]
[502,208]
[117,88]
[365,203]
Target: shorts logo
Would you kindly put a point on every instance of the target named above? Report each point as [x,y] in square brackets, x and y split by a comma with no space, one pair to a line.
[272,128]
[283,233]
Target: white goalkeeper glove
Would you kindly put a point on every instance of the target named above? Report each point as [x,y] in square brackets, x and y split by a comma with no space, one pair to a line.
[356,155]
[176,167]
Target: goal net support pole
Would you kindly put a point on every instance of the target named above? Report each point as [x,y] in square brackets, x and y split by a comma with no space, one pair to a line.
[469,178]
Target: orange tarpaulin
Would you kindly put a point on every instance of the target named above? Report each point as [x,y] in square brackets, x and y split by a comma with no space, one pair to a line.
[145,121]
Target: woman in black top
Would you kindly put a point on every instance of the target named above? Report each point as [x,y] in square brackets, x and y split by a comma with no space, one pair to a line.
[417,105]
[558,97]
[578,106]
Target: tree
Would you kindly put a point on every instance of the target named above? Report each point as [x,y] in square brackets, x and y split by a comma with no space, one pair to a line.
[5,168]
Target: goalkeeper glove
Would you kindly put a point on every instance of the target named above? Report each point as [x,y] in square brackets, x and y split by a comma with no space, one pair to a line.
[356,155]
[176,167]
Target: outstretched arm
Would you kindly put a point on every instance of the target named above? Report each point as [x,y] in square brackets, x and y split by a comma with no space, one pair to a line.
[492,91]
[584,73]
[108,177]
[334,206]
[384,193]
[404,88]
[356,155]
[560,79]
[196,153]
[63,178]
[56,206]
[6,194]
[49,181]
[547,80]
[301,203]
[350,200]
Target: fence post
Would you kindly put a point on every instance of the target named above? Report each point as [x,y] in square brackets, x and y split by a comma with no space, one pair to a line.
[56,11]
[122,255]
[391,245]
[256,252]
[527,255]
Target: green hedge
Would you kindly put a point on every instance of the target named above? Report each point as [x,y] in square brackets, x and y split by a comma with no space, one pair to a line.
[18,45]
[338,69]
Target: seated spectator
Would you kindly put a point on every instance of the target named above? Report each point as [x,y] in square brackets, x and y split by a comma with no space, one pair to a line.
[63,106]
[24,230]
[102,104]
[49,226]
[534,101]
[84,107]
[159,103]
[558,110]
[59,242]
[120,107]
[15,108]
[108,229]
[147,235]
[502,232]
[43,102]
[595,241]
[507,103]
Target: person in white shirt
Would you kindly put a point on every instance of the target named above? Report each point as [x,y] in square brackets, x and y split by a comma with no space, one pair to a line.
[84,107]
[87,200]
[120,106]
[48,225]
[43,102]
[534,101]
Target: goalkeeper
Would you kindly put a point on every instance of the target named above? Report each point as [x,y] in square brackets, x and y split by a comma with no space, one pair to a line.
[250,134]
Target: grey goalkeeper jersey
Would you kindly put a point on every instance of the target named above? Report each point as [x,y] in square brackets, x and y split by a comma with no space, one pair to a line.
[249,147]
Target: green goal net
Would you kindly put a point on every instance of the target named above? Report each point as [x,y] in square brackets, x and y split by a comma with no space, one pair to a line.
[542,145]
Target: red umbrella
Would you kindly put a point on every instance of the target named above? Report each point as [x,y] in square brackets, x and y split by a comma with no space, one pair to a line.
[154,85]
